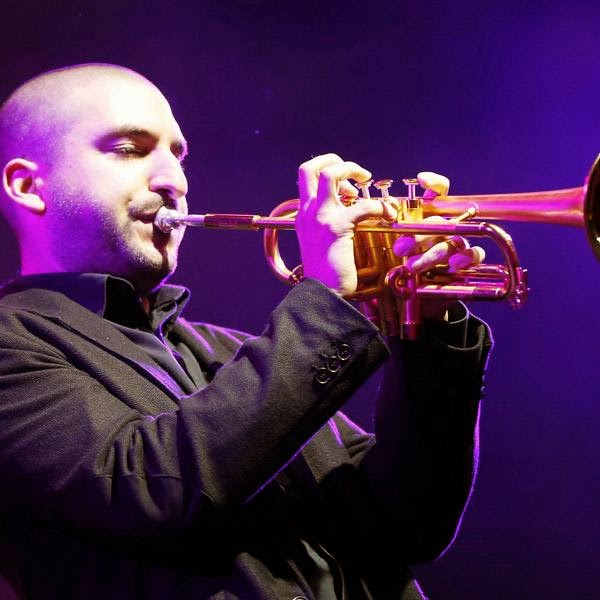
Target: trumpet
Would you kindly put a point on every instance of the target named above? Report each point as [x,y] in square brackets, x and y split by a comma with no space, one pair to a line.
[388,293]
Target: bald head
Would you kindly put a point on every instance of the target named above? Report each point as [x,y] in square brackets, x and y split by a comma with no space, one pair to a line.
[88,154]
[34,117]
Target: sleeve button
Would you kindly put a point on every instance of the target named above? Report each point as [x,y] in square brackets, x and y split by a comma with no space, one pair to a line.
[333,364]
[343,352]
[322,376]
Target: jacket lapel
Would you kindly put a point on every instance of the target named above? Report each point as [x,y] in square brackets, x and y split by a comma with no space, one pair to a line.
[88,325]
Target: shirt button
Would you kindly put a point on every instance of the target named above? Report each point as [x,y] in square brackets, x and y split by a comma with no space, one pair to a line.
[299,598]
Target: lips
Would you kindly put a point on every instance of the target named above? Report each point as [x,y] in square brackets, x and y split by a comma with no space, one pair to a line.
[144,216]
[145,211]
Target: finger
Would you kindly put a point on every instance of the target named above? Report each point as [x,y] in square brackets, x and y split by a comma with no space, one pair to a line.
[438,254]
[456,244]
[411,244]
[405,245]
[427,260]
[467,258]
[365,209]
[433,183]
[424,242]
[347,189]
[331,176]
[308,173]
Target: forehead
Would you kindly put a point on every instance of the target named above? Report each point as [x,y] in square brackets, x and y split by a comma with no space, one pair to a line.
[109,103]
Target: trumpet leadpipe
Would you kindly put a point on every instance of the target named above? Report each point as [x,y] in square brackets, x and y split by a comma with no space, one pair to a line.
[168,219]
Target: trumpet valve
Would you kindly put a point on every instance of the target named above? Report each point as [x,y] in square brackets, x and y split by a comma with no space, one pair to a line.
[383,185]
[364,186]
[411,185]
[411,208]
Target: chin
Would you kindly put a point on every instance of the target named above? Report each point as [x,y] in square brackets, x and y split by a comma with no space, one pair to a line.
[147,272]
[146,263]
[147,280]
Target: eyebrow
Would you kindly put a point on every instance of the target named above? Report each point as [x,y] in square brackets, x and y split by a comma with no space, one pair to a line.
[179,147]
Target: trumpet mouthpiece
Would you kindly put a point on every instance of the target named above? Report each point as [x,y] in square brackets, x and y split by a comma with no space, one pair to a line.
[167,219]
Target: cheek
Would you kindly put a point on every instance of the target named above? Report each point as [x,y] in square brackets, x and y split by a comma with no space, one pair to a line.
[80,183]
[105,174]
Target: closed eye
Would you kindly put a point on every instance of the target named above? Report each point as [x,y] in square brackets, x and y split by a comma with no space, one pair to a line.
[128,150]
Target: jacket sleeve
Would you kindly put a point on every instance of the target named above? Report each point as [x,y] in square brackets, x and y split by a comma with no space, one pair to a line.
[422,460]
[73,455]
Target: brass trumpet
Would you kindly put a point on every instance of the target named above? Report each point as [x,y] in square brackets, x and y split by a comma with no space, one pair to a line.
[388,293]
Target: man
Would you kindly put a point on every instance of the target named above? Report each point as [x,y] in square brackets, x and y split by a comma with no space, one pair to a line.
[146,457]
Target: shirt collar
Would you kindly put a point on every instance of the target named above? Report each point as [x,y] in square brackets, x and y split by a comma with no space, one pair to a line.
[112,298]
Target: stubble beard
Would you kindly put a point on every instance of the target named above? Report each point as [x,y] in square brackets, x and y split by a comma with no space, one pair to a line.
[89,239]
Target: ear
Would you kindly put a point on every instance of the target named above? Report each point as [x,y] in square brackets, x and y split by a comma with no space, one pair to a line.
[21,183]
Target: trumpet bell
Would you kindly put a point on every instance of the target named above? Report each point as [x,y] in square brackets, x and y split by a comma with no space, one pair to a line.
[591,209]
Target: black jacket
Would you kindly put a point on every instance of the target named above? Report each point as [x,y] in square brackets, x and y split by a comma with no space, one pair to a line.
[113,488]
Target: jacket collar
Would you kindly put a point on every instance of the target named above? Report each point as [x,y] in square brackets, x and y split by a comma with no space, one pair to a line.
[57,297]
[111,297]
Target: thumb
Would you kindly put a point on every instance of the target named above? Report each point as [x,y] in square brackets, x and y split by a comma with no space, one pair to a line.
[433,183]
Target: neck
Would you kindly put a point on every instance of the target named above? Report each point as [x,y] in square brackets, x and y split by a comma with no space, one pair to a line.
[35,263]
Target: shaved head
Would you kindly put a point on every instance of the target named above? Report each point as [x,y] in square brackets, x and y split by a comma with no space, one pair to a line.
[34,117]
[88,155]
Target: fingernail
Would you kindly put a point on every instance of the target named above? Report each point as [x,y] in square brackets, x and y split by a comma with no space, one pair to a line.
[478,254]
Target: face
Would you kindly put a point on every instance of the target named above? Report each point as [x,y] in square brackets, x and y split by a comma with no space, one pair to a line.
[116,161]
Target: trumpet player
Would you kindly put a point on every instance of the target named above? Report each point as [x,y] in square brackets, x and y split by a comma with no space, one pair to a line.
[147,456]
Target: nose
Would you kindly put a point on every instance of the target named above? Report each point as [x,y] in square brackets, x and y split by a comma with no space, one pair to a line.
[167,177]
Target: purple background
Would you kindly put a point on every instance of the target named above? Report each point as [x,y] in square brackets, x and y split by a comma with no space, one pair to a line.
[501,97]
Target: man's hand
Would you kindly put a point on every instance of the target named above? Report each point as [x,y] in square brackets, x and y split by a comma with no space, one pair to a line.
[325,227]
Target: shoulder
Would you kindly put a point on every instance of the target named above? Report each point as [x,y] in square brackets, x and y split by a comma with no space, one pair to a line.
[34,301]
[25,329]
